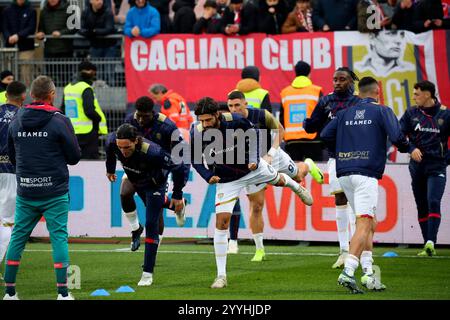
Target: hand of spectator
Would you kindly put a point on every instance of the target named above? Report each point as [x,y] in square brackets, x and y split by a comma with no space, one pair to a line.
[272,10]
[40,35]
[326,28]
[252,166]
[437,22]
[136,31]
[235,28]
[416,155]
[13,39]
[214,180]
[427,23]
[111,177]
[56,34]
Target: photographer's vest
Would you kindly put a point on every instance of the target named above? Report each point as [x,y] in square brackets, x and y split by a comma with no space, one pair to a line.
[3,97]
[255,97]
[73,102]
[298,104]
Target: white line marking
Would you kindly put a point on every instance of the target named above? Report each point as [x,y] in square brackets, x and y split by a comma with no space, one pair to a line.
[127,250]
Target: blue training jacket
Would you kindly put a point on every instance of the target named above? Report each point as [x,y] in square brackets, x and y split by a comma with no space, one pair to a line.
[41,143]
[428,129]
[360,135]
[7,113]
[326,110]
[146,18]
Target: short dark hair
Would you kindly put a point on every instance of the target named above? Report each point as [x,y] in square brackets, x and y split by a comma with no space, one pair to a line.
[426,85]
[352,75]
[210,4]
[366,84]
[206,105]
[224,107]
[235,94]
[127,131]
[86,66]
[144,104]
[15,90]
[158,88]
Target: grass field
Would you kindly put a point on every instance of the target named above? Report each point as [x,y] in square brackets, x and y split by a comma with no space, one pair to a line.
[185,272]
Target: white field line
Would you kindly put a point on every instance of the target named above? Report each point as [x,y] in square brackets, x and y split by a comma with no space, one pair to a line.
[127,250]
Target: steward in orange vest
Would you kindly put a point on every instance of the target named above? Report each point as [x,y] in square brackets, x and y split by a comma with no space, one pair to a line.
[297,103]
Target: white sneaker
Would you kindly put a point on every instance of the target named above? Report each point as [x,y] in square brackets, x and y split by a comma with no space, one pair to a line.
[181,216]
[219,283]
[305,195]
[146,280]
[233,247]
[8,297]
[340,261]
[68,297]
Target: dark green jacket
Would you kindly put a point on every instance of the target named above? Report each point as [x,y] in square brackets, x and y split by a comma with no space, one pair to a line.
[55,19]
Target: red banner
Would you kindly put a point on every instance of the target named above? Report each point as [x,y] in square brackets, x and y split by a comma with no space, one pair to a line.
[210,65]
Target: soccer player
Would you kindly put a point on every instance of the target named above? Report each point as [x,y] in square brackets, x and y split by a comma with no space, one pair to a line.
[360,134]
[224,151]
[428,127]
[158,128]
[40,132]
[147,166]
[341,98]
[15,96]
[280,161]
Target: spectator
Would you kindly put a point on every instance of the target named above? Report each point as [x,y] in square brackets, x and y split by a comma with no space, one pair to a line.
[210,21]
[97,21]
[334,15]
[142,21]
[173,105]
[388,8]
[240,18]
[163,7]
[83,109]
[19,22]
[184,18]
[6,77]
[367,22]
[255,96]
[403,16]
[53,21]
[300,19]
[221,6]
[298,101]
[121,15]
[271,17]
[429,15]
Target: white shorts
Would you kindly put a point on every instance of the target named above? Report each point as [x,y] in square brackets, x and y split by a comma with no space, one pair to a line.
[362,194]
[228,193]
[333,182]
[8,192]
[282,163]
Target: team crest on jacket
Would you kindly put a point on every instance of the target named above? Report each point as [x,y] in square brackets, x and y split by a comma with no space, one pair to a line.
[440,122]
[158,136]
[359,114]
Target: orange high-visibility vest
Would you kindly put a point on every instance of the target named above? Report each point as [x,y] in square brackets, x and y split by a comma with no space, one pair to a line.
[178,111]
[298,104]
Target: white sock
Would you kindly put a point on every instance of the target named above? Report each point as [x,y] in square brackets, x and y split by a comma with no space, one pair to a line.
[232,241]
[132,219]
[220,250]
[258,238]
[5,237]
[147,274]
[366,262]
[342,227]
[351,264]
[160,240]
[352,218]
[290,183]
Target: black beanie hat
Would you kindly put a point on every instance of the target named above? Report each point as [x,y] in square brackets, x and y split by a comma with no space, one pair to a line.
[5,73]
[86,65]
[302,69]
[250,72]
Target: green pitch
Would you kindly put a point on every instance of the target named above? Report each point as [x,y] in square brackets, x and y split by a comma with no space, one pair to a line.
[185,272]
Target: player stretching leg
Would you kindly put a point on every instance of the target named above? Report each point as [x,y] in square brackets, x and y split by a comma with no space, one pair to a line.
[226,169]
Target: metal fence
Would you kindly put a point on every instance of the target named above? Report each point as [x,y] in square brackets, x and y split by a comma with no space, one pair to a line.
[109,88]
